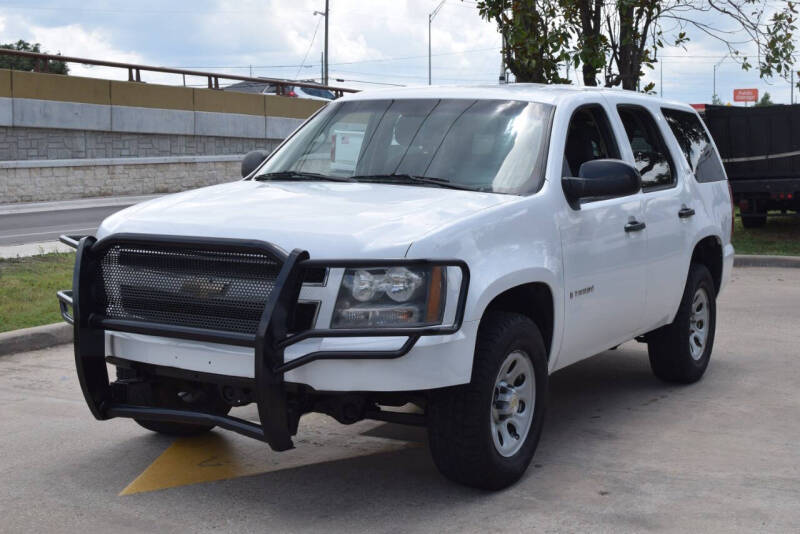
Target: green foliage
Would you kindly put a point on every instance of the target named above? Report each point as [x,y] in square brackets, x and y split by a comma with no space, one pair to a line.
[535,40]
[766,100]
[716,100]
[30,64]
[613,41]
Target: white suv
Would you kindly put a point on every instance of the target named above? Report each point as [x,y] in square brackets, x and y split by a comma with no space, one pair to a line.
[442,248]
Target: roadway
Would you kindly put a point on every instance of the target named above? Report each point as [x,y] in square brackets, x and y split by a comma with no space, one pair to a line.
[620,452]
[22,224]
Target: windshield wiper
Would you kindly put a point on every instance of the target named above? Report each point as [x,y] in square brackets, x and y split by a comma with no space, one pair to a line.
[300,175]
[411,178]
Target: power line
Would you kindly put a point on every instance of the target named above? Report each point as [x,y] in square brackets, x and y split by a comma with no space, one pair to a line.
[302,63]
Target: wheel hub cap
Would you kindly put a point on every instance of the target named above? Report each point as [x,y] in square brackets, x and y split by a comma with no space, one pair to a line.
[698,324]
[513,403]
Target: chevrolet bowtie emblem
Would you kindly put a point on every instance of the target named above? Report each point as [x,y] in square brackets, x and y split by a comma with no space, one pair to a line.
[204,288]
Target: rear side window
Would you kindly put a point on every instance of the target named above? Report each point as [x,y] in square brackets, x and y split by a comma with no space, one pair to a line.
[649,149]
[695,144]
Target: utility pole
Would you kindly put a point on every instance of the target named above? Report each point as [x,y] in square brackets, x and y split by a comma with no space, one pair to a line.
[431,16]
[715,75]
[325,57]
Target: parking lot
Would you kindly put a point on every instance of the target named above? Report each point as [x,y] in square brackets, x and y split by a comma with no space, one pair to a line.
[620,452]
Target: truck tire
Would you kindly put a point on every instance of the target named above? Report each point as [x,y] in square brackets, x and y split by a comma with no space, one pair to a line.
[681,350]
[210,402]
[483,434]
[753,219]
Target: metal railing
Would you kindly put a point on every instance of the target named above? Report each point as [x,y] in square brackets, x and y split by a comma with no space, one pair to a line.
[134,72]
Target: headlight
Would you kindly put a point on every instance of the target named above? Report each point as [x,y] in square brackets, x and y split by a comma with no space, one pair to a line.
[392,297]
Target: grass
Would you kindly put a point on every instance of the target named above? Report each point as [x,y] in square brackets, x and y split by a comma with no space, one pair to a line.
[28,289]
[780,236]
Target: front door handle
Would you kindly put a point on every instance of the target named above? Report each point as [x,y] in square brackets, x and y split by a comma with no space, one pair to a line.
[685,212]
[634,226]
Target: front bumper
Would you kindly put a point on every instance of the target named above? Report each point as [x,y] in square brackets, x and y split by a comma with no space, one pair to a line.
[269,343]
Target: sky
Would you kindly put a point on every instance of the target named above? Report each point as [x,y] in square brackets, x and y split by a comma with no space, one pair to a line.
[372,43]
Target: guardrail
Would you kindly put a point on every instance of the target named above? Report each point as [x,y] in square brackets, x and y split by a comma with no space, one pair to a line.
[134,72]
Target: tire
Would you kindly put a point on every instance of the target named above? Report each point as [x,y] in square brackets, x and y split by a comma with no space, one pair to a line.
[463,420]
[680,351]
[753,219]
[166,395]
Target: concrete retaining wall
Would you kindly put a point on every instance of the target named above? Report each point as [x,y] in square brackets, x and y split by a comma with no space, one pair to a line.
[24,144]
[70,179]
[64,137]
[36,100]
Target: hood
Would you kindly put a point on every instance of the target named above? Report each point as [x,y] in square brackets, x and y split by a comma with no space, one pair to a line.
[329,219]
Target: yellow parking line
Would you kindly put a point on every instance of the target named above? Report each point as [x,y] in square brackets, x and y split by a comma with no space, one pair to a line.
[222,455]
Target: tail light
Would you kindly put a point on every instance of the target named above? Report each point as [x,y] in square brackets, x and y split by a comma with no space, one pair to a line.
[733,208]
[291,93]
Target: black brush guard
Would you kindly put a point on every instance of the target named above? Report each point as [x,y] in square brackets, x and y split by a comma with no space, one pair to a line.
[269,342]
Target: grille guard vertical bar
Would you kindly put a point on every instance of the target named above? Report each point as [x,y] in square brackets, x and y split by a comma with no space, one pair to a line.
[89,342]
[276,421]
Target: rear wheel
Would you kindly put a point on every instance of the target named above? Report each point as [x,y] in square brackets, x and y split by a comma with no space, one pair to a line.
[177,396]
[680,351]
[483,434]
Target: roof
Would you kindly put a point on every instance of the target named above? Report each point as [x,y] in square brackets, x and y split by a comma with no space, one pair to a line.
[533,92]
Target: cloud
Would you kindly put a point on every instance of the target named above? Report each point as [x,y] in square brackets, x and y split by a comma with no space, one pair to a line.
[373,41]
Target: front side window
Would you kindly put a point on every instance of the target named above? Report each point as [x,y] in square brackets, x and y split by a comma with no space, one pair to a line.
[650,152]
[483,145]
[589,137]
[695,144]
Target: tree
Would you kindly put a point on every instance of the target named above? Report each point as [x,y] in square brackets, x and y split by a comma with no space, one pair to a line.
[30,64]
[618,38]
[535,42]
[766,100]
[716,100]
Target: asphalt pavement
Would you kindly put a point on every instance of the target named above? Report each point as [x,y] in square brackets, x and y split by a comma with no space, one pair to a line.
[620,452]
[42,222]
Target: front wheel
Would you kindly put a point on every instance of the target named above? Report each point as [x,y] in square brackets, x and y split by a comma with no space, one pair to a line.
[483,434]
[681,350]
[171,394]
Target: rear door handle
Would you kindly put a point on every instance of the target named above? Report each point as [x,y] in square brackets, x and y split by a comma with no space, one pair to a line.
[634,226]
[685,213]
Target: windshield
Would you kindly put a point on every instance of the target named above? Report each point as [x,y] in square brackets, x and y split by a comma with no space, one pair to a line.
[485,145]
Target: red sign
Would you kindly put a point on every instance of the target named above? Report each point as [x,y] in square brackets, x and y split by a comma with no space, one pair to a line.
[745,95]
[699,107]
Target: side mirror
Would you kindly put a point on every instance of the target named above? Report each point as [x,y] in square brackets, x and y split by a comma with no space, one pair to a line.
[252,160]
[602,178]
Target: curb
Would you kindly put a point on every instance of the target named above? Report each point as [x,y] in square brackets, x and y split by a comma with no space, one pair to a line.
[35,338]
[766,261]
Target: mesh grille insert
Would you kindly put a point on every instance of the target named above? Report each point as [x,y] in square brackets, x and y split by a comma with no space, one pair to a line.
[186,287]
